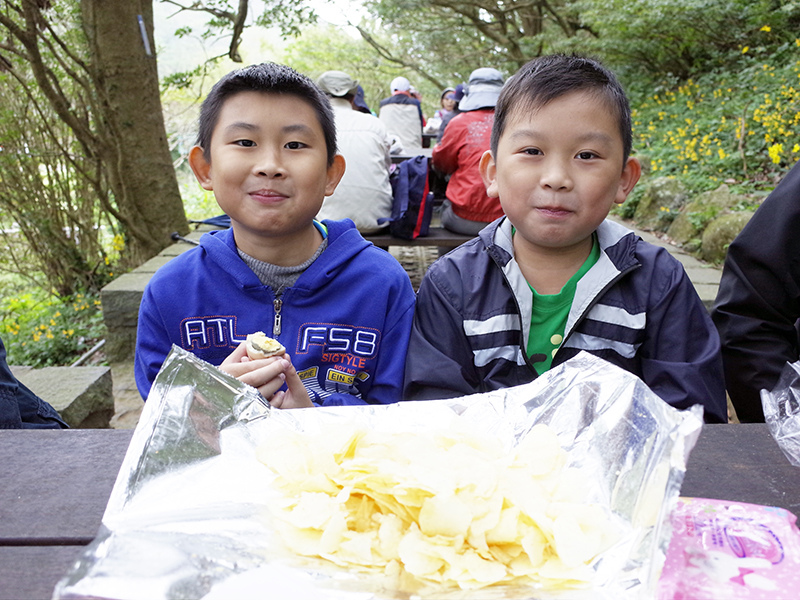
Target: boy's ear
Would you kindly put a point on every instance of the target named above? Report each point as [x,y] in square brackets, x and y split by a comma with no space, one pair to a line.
[335,173]
[630,175]
[201,167]
[488,170]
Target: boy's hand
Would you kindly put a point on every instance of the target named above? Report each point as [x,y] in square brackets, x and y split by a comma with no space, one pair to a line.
[268,375]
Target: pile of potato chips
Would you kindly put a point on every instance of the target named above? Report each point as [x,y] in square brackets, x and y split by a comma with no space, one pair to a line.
[449,506]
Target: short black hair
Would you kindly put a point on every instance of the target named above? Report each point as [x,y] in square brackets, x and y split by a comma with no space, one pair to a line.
[268,78]
[547,78]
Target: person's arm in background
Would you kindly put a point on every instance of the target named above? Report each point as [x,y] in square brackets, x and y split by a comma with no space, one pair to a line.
[758,303]
[20,408]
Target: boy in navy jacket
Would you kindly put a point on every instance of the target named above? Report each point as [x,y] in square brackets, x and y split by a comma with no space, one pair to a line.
[553,277]
[341,307]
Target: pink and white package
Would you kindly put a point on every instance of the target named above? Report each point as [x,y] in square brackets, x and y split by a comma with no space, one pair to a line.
[731,550]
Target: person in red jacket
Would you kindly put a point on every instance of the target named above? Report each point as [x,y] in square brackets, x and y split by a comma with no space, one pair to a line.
[467,209]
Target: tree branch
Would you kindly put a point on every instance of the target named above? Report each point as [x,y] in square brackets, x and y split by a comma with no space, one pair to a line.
[238,28]
[386,54]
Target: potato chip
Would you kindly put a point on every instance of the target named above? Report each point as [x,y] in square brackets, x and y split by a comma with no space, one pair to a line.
[448,506]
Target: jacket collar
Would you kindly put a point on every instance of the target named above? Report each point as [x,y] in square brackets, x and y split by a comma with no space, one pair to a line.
[614,239]
[344,242]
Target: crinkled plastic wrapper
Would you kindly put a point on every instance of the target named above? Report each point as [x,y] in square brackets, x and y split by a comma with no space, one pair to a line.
[782,411]
[188,515]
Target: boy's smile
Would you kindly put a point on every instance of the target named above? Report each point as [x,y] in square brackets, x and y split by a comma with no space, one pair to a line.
[558,172]
[268,170]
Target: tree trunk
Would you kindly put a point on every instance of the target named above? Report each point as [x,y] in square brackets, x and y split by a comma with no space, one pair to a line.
[133,136]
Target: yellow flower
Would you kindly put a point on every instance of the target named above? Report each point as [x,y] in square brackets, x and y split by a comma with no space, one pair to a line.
[775,153]
[745,49]
[118,243]
[766,28]
[796,148]
[721,153]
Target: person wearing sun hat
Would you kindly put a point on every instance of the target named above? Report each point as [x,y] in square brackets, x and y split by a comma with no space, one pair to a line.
[364,194]
[483,89]
[360,103]
[402,115]
[467,208]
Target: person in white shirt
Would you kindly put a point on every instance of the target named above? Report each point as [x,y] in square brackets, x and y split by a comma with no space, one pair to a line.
[402,114]
[364,194]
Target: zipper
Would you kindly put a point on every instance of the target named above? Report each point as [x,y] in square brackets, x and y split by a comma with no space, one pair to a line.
[276,322]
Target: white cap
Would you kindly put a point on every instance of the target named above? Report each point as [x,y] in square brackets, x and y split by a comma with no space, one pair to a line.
[400,84]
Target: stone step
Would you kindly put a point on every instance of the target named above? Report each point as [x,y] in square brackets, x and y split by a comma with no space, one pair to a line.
[83,396]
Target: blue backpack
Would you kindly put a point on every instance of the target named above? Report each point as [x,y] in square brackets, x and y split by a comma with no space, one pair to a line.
[412,203]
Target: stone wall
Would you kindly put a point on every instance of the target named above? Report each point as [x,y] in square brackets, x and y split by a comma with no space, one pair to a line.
[121,299]
[83,396]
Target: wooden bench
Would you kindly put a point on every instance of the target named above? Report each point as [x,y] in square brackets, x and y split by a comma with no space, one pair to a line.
[437,236]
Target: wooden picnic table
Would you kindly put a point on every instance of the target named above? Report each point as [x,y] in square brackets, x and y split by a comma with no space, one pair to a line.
[398,158]
[54,487]
[437,236]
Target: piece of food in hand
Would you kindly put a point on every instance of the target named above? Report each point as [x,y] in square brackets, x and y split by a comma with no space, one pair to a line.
[261,346]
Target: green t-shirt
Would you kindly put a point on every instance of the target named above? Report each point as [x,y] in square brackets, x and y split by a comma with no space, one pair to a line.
[549,316]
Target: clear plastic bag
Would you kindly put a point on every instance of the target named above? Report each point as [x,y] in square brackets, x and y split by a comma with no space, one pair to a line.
[186,517]
[782,411]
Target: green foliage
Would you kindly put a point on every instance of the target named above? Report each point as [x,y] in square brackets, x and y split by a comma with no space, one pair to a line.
[450,39]
[182,79]
[327,48]
[49,202]
[41,330]
[683,38]
[739,127]
[699,219]
[290,16]
[54,198]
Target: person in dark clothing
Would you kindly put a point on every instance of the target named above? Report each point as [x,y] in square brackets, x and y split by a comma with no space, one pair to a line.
[758,303]
[20,408]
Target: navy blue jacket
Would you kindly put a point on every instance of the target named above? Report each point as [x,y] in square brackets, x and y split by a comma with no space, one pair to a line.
[635,308]
[20,408]
[345,322]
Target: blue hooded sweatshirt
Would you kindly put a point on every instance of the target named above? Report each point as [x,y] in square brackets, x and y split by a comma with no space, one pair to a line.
[345,322]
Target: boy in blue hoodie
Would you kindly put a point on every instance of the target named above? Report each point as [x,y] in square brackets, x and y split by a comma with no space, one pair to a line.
[342,308]
[554,277]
